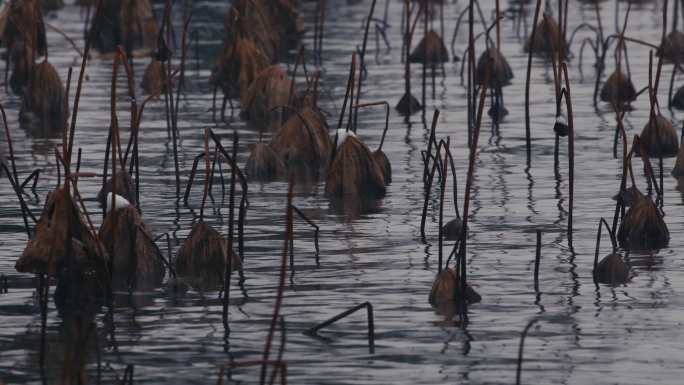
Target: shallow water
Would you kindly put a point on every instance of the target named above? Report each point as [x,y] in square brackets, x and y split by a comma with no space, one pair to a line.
[626,335]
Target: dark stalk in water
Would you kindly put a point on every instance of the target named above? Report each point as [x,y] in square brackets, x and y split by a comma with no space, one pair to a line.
[521,347]
[34,176]
[324,3]
[128,375]
[281,281]
[316,231]
[206,176]
[461,262]
[281,349]
[13,176]
[425,33]
[429,175]
[168,96]
[114,129]
[387,112]
[43,295]
[537,260]
[613,243]
[527,83]
[193,173]
[313,332]
[243,187]
[571,150]
[231,219]
[442,190]
[362,58]
[470,94]
[79,85]
[431,141]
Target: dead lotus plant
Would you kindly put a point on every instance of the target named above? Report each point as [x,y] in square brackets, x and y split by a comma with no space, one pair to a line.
[612,269]
[137,261]
[271,88]
[264,163]
[236,69]
[154,79]
[62,240]
[303,143]
[129,23]
[202,258]
[44,107]
[546,38]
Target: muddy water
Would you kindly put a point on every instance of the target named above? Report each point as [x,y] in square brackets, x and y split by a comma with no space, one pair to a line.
[626,335]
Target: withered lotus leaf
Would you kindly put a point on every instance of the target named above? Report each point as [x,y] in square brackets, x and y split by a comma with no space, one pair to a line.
[354,173]
[612,270]
[546,38]
[643,227]
[660,137]
[672,47]
[629,196]
[201,259]
[446,290]
[430,49]
[154,79]
[501,72]
[303,142]
[452,230]
[618,90]
[271,88]
[678,169]
[381,159]
[238,65]
[124,187]
[43,107]
[264,163]
[129,23]
[24,27]
[47,251]
[137,260]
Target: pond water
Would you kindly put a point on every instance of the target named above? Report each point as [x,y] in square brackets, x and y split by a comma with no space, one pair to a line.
[627,334]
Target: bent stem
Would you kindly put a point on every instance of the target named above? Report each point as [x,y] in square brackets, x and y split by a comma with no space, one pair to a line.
[613,243]
[571,150]
[281,281]
[387,113]
[521,347]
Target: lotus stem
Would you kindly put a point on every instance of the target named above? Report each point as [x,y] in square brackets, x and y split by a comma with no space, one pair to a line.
[370,322]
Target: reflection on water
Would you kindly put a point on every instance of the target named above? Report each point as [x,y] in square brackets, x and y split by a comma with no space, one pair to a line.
[585,335]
